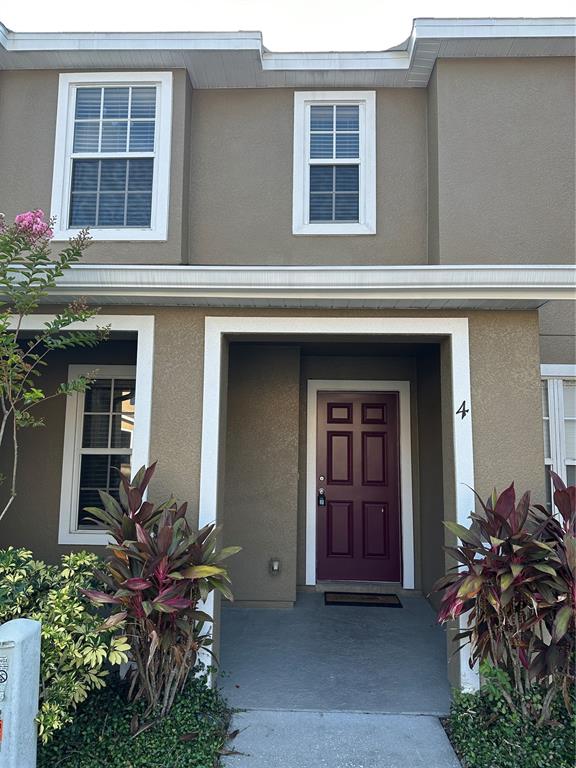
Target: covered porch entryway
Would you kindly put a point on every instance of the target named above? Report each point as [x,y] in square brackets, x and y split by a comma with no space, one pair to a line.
[266,379]
[335,658]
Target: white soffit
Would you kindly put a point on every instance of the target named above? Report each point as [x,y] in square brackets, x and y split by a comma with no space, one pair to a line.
[240,60]
[430,286]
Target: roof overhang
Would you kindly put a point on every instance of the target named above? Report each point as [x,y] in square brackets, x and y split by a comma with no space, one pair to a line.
[240,60]
[430,286]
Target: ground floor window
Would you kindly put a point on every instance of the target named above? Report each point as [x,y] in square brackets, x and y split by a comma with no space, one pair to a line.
[98,444]
[559,416]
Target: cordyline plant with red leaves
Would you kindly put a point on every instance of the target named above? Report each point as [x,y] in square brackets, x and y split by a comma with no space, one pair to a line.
[516,581]
[158,572]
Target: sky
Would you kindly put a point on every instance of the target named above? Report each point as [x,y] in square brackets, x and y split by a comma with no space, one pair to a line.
[287,25]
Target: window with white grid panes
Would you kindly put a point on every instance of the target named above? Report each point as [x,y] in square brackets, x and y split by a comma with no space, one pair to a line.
[334,163]
[112,154]
[559,417]
[106,425]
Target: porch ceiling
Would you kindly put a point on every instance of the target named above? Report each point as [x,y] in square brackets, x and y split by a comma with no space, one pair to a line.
[428,286]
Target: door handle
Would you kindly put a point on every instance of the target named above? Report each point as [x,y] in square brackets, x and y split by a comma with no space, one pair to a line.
[321,497]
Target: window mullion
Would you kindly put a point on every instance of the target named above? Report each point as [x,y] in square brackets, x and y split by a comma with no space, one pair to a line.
[555,421]
[561,431]
[335,161]
[126,182]
[110,155]
[334,193]
[101,121]
[129,123]
[334,131]
[111,412]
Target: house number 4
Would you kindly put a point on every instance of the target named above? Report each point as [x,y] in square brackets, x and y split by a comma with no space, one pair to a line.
[463,411]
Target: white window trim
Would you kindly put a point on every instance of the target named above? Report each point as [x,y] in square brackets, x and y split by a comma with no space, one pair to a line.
[143,326]
[556,375]
[69,533]
[301,176]
[63,163]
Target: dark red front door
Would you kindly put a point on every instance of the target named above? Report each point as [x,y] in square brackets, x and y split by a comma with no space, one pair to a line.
[358,515]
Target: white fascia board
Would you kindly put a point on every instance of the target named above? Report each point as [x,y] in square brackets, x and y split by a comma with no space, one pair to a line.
[356,61]
[463,29]
[318,283]
[424,40]
[131,41]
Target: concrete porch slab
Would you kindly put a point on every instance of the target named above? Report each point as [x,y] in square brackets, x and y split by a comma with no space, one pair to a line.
[339,740]
[336,658]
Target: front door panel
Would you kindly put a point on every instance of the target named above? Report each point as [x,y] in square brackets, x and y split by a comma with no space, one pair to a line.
[358,487]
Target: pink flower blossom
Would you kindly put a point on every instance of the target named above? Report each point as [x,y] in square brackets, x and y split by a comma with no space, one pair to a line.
[33,225]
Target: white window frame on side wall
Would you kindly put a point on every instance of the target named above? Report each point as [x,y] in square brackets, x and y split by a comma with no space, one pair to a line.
[555,375]
[301,224]
[143,326]
[62,175]
[73,429]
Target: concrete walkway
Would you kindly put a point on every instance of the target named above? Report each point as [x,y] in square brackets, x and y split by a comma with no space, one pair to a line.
[336,687]
[339,740]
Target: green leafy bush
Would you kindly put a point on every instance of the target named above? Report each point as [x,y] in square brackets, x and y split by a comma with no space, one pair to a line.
[75,647]
[487,733]
[155,579]
[516,578]
[192,735]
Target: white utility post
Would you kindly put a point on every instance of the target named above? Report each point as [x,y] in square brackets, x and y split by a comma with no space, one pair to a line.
[19,682]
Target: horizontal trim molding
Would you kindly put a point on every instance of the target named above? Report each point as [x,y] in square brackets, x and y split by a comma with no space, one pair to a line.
[246,63]
[502,286]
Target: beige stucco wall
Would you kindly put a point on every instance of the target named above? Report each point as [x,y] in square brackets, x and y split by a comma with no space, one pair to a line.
[28,101]
[506,401]
[477,168]
[505,410]
[505,161]
[262,470]
[241,182]
[433,179]
[32,521]
[558,333]
[432,503]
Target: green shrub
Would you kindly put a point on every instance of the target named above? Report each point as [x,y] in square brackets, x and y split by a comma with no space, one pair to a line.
[75,648]
[192,735]
[516,580]
[487,733]
[156,578]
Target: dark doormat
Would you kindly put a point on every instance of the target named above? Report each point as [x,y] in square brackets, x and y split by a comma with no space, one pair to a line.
[362,598]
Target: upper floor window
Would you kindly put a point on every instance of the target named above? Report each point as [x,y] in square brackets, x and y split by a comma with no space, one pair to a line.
[112,155]
[334,163]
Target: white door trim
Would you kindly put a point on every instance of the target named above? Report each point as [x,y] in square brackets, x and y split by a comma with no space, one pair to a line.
[406,505]
[455,328]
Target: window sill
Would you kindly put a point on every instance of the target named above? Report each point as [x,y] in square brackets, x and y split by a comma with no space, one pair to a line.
[333,229]
[83,538]
[111,235]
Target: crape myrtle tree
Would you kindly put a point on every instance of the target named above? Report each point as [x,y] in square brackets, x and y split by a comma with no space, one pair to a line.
[28,270]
